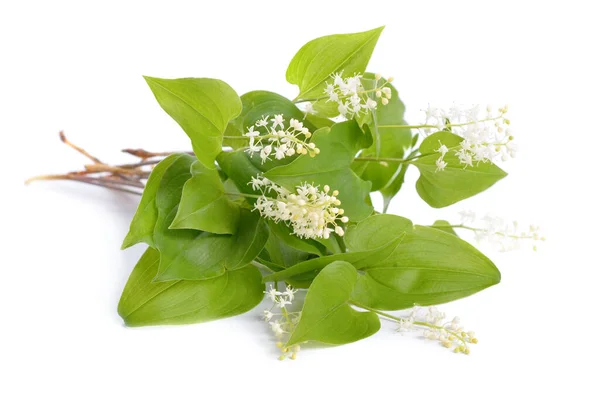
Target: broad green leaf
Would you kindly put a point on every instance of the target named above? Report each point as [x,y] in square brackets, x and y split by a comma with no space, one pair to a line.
[144,302]
[303,273]
[391,189]
[456,182]
[257,104]
[311,67]
[278,255]
[240,170]
[326,315]
[429,267]
[192,254]
[333,244]
[338,144]
[393,142]
[284,233]
[376,231]
[204,204]
[141,229]
[444,225]
[202,107]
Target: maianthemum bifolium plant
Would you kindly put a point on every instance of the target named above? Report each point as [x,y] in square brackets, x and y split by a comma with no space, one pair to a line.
[275,198]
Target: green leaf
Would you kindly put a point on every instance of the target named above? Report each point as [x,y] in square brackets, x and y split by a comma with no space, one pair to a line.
[394,142]
[456,182]
[444,225]
[429,267]
[141,229]
[326,315]
[284,233]
[202,107]
[257,104]
[204,205]
[311,67]
[240,170]
[394,187]
[192,254]
[303,273]
[338,144]
[376,231]
[278,255]
[144,302]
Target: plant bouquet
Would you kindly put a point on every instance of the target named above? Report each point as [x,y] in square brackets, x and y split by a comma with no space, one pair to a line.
[275,199]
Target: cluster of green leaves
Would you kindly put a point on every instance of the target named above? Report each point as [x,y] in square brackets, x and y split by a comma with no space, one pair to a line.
[210,254]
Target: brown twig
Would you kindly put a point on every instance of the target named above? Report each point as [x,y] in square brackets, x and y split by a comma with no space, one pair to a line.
[64,139]
[103,182]
[104,168]
[118,177]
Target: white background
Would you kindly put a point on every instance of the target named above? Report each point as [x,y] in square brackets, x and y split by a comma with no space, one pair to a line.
[77,67]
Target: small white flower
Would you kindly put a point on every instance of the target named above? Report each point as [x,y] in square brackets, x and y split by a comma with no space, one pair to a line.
[272,294]
[443,149]
[276,328]
[506,235]
[440,164]
[252,133]
[267,315]
[282,302]
[256,183]
[296,124]
[343,108]
[279,142]
[310,212]
[371,104]
[487,138]
[351,96]
[277,121]
[289,293]
[280,152]
[265,152]
[309,109]
[262,122]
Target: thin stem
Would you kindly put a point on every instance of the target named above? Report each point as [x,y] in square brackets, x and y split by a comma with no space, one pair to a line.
[144,154]
[450,125]
[298,101]
[243,194]
[105,168]
[64,139]
[419,323]
[390,159]
[408,126]
[377,135]
[474,229]
[112,184]
[141,164]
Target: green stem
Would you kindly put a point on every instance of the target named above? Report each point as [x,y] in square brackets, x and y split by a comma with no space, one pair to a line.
[408,126]
[390,159]
[419,323]
[474,229]
[242,194]
[379,87]
[450,125]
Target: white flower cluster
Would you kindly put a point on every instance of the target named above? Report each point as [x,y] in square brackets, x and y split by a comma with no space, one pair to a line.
[507,235]
[351,96]
[279,141]
[487,137]
[311,213]
[450,334]
[284,322]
